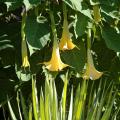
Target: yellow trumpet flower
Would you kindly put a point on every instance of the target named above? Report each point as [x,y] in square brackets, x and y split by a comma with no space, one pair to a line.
[65,41]
[91,71]
[55,64]
[25,62]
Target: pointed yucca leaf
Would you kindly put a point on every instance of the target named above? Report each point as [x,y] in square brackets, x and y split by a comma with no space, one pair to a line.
[51,98]
[30,112]
[64,94]
[102,99]
[18,104]
[79,103]
[109,106]
[82,99]
[42,106]
[94,112]
[95,104]
[76,101]
[90,98]
[11,111]
[47,100]
[107,113]
[24,108]
[55,103]
[34,98]
[115,114]
[92,107]
[71,106]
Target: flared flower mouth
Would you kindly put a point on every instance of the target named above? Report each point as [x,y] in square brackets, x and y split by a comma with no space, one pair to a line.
[66,42]
[91,72]
[55,64]
[25,62]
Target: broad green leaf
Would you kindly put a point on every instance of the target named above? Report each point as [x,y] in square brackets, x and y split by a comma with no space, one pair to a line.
[8,38]
[7,84]
[13,5]
[74,4]
[78,6]
[111,37]
[37,32]
[76,57]
[81,24]
[35,2]
[110,11]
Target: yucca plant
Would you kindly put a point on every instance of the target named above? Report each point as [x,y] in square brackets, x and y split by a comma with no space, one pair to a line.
[89,102]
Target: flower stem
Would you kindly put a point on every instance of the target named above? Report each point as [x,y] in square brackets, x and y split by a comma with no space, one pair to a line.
[64,11]
[89,38]
[55,44]
[23,25]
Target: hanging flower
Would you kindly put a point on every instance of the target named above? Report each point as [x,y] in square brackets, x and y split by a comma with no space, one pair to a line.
[91,71]
[65,41]
[96,12]
[55,64]
[25,62]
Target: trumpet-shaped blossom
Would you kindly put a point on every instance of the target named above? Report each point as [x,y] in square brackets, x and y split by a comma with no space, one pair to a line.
[55,64]
[91,71]
[65,41]
[25,62]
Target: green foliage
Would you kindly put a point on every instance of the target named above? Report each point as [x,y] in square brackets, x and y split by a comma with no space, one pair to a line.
[97,99]
[38,93]
[37,32]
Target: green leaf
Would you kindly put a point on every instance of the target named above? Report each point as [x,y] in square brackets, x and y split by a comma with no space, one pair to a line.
[110,102]
[42,106]
[74,4]
[11,111]
[71,106]
[13,5]
[30,112]
[75,58]
[34,98]
[80,24]
[7,84]
[64,96]
[111,37]
[78,6]
[35,2]
[24,107]
[47,100]
[37,32]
